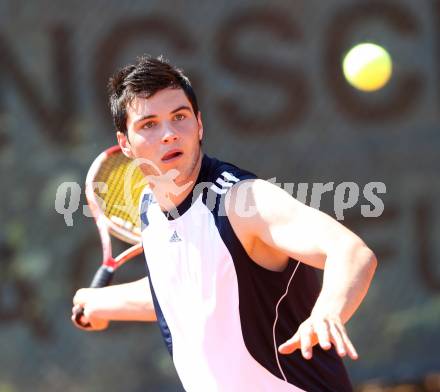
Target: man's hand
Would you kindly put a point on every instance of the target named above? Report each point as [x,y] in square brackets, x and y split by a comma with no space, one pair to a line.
[90,300]
[325,330]
[121,302]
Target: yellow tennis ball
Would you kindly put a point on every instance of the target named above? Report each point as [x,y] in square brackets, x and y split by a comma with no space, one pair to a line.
[368,67]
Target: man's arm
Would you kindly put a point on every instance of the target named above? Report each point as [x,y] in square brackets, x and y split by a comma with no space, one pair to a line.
[285,225]
[123,302]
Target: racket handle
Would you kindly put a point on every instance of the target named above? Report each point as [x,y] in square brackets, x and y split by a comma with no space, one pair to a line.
[78,318]
[102,278]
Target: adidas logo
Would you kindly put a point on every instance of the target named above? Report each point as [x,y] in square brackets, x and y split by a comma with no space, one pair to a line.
[175,237]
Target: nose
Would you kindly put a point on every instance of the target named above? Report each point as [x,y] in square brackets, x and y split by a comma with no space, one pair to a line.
[169,135]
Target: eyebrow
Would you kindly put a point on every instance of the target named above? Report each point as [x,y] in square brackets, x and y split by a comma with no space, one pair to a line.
[144,118]
[183,107]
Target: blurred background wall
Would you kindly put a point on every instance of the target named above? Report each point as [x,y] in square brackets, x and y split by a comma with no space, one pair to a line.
[273,99]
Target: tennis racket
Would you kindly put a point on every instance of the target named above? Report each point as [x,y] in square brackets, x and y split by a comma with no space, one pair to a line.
[113,189]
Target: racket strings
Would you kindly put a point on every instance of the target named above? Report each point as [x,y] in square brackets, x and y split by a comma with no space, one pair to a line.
[121,195]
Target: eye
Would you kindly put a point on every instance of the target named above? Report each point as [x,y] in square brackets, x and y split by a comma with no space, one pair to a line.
[179,117]
[149,124]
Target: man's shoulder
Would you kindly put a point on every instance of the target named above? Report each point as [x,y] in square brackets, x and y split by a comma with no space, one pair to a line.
[225,173]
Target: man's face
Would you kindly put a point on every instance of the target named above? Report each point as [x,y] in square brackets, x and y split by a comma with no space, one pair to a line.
[164,130]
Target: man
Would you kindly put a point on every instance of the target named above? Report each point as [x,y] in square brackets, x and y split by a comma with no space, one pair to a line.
[230,258]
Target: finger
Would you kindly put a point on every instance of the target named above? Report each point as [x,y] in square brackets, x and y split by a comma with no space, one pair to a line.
[86,325]
[322,331]
[306,334]
[82,323]
[289,346]
[337,339]
[76,309]
[82,317]
[352,353]
[79,297]
[90,316]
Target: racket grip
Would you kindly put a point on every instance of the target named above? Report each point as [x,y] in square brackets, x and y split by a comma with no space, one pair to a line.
[103,277]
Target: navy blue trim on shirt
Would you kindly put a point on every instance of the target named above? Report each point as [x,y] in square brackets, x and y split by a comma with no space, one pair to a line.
[163,325]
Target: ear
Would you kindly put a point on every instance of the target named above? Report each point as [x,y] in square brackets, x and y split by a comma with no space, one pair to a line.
[124,143]
[199,121]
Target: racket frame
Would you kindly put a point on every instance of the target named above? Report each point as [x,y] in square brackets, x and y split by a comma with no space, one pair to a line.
[105,225]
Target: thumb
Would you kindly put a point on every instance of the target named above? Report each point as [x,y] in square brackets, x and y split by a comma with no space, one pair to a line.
[76,309]
[290,345]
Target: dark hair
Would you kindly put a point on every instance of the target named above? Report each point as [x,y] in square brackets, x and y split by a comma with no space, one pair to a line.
[145,78]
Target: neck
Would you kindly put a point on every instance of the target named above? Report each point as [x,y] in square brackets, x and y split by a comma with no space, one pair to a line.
[171,194]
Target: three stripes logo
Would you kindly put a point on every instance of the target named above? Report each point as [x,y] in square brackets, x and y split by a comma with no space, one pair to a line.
[175,237]
[223,183]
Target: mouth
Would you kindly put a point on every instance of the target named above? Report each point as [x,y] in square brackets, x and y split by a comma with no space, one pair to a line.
[172,155]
